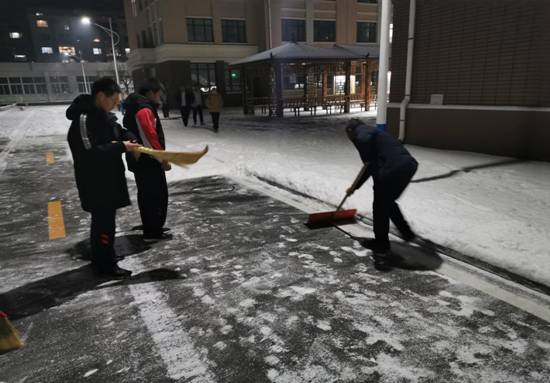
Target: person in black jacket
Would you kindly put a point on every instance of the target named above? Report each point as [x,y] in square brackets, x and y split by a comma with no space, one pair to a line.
[143,121]
[185,99]
[97,143]
[392,167]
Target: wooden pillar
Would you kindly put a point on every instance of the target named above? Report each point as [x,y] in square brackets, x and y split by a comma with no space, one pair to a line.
[244,84]
[347,87]
[325,82]
[306,87]
[279,112]
[366,85]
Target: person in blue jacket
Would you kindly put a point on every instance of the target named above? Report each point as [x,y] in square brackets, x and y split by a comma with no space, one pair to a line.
[392,168]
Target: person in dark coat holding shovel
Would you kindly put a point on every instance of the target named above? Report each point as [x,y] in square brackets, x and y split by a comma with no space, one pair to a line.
[392,168]
[142,120]
[97,143]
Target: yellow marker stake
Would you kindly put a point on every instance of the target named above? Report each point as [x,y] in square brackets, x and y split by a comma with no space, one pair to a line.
[56,223]
[50,158]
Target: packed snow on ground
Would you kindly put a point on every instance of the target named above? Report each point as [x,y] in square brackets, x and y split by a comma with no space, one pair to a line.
[497,212]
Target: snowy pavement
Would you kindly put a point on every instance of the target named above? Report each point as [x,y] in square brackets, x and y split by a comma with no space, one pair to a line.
[491,208]
[244,292]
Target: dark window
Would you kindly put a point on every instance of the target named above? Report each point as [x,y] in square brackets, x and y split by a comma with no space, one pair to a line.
[368,1]
[293,30]
[234,31]
[203,74]
[28,85]
[15,85]
[40,83]
[4,87]
[366,32]
[60,84]
[232,80]
[199,30]
[324,30]
[139,41]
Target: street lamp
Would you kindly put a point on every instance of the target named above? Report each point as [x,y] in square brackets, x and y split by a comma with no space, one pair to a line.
[81,61]
[87,21]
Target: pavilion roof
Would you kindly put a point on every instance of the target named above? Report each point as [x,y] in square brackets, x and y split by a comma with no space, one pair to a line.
[296,52]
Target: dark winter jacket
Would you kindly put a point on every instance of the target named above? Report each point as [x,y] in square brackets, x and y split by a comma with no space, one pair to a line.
[98,166]
[385,155]
[186,98]
[149,136]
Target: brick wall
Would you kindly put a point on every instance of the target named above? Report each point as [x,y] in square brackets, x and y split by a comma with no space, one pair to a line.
[475,52]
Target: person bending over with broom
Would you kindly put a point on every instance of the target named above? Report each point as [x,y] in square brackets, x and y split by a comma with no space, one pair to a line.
[97,142]
[142,120]
[392,168]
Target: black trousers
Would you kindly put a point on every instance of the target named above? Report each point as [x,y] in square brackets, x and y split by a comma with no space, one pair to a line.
[152,193]
[386,191]
[198,110]
[185,111]
[165,111]
[102,237]
[216,120]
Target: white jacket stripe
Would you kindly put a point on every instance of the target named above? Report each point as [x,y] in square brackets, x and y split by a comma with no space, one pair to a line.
[84,132]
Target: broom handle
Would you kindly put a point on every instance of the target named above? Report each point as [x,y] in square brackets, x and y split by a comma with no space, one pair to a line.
[355,182]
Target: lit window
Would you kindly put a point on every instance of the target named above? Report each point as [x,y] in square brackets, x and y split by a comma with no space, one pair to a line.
[96,40]
[67,27]
[15,35]
[47,50]
[41,24]
[20,57]
[127,50]
[68,51]
[97,51]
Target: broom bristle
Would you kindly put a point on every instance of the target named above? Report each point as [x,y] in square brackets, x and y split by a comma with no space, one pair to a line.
[9,337]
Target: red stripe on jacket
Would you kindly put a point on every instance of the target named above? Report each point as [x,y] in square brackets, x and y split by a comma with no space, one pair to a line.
[148,124]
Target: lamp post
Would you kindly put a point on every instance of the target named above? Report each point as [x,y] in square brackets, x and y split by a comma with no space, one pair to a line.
[88,21]
[81,61]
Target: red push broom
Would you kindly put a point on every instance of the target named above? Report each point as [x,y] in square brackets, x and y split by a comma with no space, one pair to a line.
[9,338]
[337,217]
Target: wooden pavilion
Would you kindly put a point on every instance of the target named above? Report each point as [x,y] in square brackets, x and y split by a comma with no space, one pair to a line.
[302,78]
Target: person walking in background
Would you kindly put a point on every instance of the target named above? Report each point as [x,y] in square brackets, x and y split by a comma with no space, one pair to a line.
[214,103]
[185,100]
[142,120]
[392,168]
[197,105]
[164,101]
[97,142]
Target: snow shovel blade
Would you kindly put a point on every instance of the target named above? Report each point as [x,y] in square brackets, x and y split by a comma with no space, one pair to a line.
[329,218]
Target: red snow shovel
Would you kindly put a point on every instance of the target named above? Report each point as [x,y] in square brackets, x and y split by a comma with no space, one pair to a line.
[337,217]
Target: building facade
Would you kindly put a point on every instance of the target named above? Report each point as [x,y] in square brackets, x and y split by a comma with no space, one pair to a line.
[184,42]
[480,76]
[36,83]
[34,32]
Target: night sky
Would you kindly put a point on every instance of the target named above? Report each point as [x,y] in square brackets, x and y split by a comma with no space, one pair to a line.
[88,4]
